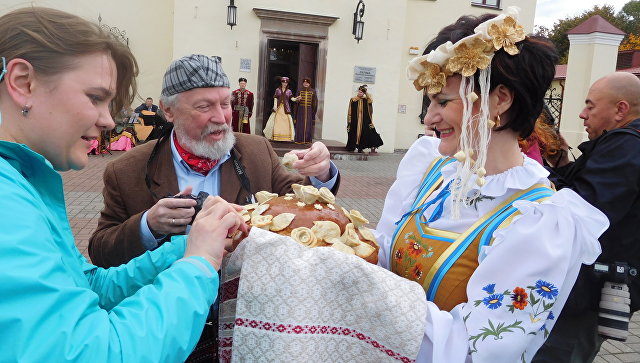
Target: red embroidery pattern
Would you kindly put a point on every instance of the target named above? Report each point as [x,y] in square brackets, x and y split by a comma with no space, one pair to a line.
[229,289]
[320,329]
[224,350]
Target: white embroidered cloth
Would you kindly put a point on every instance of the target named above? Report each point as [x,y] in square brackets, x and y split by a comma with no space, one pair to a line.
[297,304]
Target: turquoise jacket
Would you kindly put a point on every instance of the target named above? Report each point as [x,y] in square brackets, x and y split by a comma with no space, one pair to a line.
[57,307]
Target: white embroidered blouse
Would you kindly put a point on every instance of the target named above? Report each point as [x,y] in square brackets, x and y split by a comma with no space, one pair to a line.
[523,279]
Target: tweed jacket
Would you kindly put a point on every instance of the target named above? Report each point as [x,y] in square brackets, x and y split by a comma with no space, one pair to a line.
[117,238]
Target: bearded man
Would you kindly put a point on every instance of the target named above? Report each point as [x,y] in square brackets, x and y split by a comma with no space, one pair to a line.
[201,153]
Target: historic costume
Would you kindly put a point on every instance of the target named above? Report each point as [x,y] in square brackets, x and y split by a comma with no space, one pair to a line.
[497,277]
[279,127]
[242,103]
[361,133]
[101,313]
[305,115]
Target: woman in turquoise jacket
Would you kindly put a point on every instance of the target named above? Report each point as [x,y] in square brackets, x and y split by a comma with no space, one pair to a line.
[60,77]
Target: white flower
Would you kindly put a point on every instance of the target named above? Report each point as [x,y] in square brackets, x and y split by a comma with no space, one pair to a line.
[441,55]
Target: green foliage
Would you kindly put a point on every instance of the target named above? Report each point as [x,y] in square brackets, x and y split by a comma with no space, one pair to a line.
[627,20]
[494,331]
[630,12]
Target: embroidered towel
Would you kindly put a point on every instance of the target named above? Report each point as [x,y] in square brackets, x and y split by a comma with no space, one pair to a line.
[283,302]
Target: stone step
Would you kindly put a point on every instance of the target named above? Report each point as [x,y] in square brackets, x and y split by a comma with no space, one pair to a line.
[336,149]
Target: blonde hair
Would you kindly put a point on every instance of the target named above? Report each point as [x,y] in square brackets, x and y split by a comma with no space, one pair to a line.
[52,40]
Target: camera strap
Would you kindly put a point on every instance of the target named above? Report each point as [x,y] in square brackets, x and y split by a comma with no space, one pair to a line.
[242,175]
[166,131]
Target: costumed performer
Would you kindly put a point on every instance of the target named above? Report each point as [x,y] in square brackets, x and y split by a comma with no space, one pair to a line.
[472,219]
[279,127]
[61,79]
[305,115]
[361,133]
[242,104]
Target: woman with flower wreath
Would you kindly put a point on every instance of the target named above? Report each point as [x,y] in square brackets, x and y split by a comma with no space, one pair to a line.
[470,217]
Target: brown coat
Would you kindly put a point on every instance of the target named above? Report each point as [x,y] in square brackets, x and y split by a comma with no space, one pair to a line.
[126,196]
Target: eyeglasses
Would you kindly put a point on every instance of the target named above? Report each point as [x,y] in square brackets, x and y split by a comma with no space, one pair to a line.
[4,68]
[284,81]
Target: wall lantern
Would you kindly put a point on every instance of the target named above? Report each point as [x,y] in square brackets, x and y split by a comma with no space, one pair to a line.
[358,24]
[232,14]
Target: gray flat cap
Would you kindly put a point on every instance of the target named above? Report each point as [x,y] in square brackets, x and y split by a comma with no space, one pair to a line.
[194,71]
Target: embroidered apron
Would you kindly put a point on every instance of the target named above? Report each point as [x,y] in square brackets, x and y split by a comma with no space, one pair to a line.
[443,261]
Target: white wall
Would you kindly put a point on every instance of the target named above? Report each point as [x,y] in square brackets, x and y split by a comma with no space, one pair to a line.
[147,23]
[162,30]
[591,56]
[423,21]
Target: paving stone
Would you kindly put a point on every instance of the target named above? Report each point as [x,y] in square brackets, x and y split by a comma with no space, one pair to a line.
[635,347]
[629,357]
[609,348]
[610,358]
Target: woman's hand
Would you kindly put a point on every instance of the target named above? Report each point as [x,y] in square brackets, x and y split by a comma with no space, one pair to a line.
[212,232]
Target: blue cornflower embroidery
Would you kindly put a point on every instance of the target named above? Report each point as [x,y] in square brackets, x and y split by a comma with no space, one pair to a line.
[543,327]
[546,289]
[551,317]
[489,288]
[493,301]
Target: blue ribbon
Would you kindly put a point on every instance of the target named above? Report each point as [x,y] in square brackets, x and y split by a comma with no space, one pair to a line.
[437,212]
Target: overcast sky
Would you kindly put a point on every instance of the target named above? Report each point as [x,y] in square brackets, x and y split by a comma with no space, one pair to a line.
[548,11]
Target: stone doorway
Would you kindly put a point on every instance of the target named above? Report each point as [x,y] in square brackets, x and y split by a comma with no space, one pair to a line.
[291,59]
[293,45]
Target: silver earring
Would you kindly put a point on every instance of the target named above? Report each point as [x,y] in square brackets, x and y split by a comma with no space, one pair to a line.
[25,110]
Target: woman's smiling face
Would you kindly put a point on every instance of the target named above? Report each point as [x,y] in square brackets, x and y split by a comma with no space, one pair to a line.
[445,115]
[73,111]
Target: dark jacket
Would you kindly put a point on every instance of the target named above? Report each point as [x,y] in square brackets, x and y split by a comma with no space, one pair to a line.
[607,175]
[143,106]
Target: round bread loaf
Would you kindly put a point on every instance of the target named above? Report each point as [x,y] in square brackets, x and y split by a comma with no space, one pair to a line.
[311,217]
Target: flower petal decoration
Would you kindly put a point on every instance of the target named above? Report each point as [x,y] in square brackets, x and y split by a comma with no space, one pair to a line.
[399,254]
[493,301]
[546,289]
[416,271]
[470,56]
[519,298]
[415,249]
[490,288]
[506,35]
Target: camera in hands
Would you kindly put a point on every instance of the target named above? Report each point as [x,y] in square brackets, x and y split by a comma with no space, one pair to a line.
[200,198]
[614,311]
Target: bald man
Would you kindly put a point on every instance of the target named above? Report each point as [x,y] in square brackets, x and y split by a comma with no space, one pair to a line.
[607,175]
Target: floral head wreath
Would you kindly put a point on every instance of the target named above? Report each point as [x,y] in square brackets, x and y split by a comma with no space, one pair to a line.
[468,56]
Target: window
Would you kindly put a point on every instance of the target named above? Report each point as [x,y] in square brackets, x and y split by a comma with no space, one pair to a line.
[487,3]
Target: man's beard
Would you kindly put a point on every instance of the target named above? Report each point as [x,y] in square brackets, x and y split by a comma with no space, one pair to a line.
[203,148]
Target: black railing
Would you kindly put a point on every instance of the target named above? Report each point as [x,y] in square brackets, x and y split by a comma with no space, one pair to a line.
[121,35]
[553,100]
